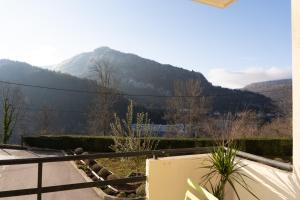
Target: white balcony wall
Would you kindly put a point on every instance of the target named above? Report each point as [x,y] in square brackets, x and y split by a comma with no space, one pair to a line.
[268,183]
[296,81]
[167,177]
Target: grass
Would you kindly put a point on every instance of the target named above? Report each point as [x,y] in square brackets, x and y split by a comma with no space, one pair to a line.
[123,166]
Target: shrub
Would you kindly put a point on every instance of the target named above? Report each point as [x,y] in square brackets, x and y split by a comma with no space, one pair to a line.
[268,147]
[140,191]
[109,191]
[131,195]
[78,151]
[87,161]
[91,163]
[127,139]
[121,195]
[96,168]
[89,174]
[226,170]
[78,162]
[66,142]
[104,173]
[112,177]
[135,174]
[80,166]
[95,178]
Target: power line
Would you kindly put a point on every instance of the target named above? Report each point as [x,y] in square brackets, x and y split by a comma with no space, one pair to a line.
[53,110]
[121,94]
[95,92]
[49,88]
[32,108]
[41,109]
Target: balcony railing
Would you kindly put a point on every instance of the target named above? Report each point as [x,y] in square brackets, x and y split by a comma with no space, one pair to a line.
[39,190]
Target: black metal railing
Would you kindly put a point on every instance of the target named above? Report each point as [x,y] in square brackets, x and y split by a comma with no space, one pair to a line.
[266,161]
[39,190]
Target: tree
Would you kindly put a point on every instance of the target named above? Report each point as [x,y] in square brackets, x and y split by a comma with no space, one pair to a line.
[233,125]
[12,112]
[46,120]
[133,137]
[189,106]
[128,136]
[101,112]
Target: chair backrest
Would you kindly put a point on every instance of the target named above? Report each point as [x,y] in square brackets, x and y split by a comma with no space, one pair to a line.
[199,193]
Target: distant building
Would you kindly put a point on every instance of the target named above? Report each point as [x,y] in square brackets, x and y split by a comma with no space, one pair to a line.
[161,130]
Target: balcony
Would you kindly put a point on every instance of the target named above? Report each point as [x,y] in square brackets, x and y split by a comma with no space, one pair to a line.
[167,175]
[167,178]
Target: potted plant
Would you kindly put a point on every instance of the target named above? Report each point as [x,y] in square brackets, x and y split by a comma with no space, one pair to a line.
[226,169]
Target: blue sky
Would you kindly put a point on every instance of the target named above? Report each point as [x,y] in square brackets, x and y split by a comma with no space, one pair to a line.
[247,42]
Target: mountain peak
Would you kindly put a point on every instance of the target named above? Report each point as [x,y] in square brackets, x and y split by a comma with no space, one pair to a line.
[131,70]
[9,62]
[5,61]
[266,84]
[280,91]
[103,48]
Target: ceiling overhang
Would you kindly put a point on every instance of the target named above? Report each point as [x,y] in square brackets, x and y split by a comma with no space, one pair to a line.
[217,3]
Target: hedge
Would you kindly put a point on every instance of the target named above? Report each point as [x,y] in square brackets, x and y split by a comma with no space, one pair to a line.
[95,144]
[276,147]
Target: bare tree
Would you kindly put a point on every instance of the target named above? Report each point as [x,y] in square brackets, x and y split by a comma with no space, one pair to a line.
[189,106]
[46,120]
[101,112]
[279,127]
[129,136]
[12,112]
[231,126]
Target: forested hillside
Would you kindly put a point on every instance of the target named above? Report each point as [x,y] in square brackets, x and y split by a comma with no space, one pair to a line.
[137,75]
[280,91]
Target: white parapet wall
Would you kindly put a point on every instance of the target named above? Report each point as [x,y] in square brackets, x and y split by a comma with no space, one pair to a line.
[167,177]
[296,81]
[268,183]
[273,183]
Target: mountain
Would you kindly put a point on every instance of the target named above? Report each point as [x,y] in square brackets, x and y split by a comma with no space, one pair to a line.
[137,75]
[65,109]
[280,91]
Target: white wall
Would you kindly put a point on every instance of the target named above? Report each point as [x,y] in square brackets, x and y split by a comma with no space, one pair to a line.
[296,81]
[268,183]
[167,177]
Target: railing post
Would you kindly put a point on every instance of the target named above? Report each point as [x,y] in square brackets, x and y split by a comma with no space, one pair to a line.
[154,156]
[22,140]
[39,180]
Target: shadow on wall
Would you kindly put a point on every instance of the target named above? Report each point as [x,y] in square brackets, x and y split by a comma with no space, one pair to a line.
[270,183]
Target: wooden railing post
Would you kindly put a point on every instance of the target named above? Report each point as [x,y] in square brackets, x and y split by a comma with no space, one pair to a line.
[39,180]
